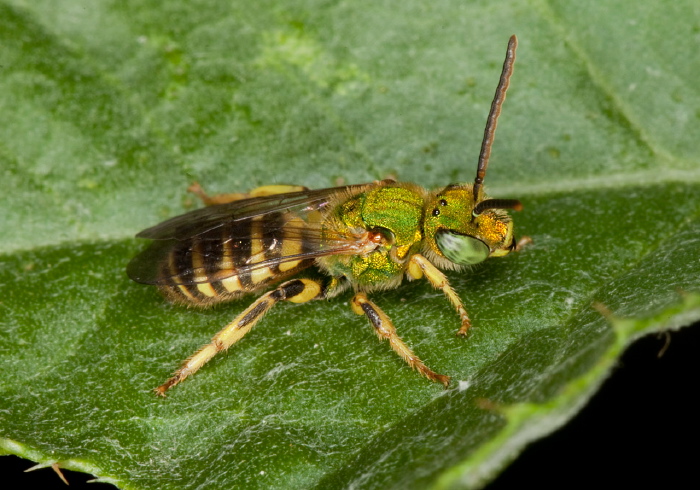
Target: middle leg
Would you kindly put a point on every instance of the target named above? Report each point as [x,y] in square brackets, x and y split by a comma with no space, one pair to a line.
[386,330]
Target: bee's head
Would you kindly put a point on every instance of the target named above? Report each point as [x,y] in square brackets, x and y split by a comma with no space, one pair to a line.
[461,226]
[462,231]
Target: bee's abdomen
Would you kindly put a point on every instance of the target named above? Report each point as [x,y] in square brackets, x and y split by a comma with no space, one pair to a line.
[233,259]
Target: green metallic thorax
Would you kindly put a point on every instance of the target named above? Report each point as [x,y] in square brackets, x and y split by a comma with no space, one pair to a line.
[396,211]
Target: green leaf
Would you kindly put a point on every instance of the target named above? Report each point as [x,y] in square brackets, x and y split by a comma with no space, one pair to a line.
[110,110]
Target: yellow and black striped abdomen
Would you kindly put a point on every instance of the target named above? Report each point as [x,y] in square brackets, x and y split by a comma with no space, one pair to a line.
[236,257]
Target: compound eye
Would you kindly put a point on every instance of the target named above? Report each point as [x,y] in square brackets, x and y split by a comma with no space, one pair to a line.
[461,249]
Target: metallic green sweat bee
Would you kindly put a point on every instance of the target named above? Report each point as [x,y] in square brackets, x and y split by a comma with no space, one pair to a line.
[366,237]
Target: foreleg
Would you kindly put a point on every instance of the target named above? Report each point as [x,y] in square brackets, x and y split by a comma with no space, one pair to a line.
[419,266]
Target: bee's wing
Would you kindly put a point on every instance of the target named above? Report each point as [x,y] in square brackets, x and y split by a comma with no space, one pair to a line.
[214,243]
[194,223]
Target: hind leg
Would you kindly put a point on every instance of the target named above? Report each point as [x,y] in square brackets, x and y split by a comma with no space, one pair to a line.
[296,291]
[266,190]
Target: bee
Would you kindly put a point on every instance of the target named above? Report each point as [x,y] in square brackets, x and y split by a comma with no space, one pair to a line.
[367,237]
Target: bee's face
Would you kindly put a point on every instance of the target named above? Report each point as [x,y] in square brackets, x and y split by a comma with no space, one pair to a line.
[455,233]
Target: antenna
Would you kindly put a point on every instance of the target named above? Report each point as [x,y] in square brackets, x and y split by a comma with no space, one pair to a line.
[492,121]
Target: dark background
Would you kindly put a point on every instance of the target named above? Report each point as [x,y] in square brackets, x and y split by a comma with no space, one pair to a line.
[642,428]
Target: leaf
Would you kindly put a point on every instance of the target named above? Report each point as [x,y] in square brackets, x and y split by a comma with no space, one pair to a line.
[111,110]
